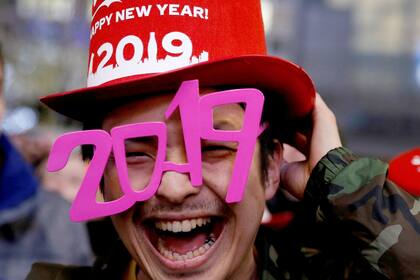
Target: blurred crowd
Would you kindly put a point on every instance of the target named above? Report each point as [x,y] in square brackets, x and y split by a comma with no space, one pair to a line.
[34,147]
[34,204]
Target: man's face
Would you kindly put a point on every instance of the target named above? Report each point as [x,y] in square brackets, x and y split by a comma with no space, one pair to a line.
[186,231]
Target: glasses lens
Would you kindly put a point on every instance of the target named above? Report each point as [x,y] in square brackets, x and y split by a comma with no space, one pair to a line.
[218,157]
[140,157]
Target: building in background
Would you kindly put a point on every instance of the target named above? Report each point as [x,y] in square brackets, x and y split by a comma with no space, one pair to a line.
[364,57]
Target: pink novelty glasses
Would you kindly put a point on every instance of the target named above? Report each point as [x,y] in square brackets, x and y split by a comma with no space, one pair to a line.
[197,124]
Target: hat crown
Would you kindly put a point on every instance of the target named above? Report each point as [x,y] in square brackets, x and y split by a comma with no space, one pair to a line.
[131,38]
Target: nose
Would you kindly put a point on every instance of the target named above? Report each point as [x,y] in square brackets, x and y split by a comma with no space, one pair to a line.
[176,187]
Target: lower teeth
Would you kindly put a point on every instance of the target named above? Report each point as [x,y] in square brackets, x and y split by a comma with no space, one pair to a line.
[211,239]
[191,254]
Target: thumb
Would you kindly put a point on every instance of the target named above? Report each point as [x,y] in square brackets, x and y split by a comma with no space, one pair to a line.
[293,178]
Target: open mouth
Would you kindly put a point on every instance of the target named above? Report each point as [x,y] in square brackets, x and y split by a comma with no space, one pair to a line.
[184,240]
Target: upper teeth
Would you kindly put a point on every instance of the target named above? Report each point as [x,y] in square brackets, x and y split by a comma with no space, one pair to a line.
[184,225]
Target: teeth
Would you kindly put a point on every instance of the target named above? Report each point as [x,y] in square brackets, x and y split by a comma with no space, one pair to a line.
[176,227]
[182,226]
[190,255]
[201,250]
[187,256]
[186,226]
[211,239]
[177,257]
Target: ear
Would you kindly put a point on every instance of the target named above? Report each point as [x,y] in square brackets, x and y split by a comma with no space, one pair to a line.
[273,170]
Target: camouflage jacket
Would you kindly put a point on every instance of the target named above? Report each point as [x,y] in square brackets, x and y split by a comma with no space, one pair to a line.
[352,224]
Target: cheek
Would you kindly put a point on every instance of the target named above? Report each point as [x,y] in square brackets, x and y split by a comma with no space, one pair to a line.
[112,188]
[255,180]
[217,175]
[124,228]
[253,202]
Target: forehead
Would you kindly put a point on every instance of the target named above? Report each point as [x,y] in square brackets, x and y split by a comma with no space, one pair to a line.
[153,108]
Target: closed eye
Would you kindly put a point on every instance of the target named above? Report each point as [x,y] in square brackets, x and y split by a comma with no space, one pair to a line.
[217,152]
[138,157]
[211,148]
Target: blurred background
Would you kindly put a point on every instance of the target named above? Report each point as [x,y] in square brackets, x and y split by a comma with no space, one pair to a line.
[364,57]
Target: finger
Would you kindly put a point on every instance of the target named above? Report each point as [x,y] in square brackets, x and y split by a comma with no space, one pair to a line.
[325,136]
[294,177]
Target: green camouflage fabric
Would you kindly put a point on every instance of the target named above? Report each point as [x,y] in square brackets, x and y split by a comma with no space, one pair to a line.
[353,224]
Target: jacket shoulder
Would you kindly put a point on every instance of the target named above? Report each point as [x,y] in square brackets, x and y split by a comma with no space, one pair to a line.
[47,271]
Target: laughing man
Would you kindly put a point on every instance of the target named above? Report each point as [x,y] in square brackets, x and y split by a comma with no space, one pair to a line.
[175,91]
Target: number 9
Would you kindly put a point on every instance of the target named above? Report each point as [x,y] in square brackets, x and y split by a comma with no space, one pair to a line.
[184,50]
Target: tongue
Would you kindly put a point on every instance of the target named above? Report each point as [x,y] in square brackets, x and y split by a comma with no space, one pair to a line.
[184,244]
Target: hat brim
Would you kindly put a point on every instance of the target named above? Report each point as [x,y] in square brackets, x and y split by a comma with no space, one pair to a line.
[272,75]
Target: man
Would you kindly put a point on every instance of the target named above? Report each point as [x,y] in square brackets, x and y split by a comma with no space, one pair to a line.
[175,93]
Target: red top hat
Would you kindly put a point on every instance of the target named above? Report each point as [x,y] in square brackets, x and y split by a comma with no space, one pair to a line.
[150,46]
[404,170]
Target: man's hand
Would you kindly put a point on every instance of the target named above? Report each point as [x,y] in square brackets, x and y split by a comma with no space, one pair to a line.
[314,145]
